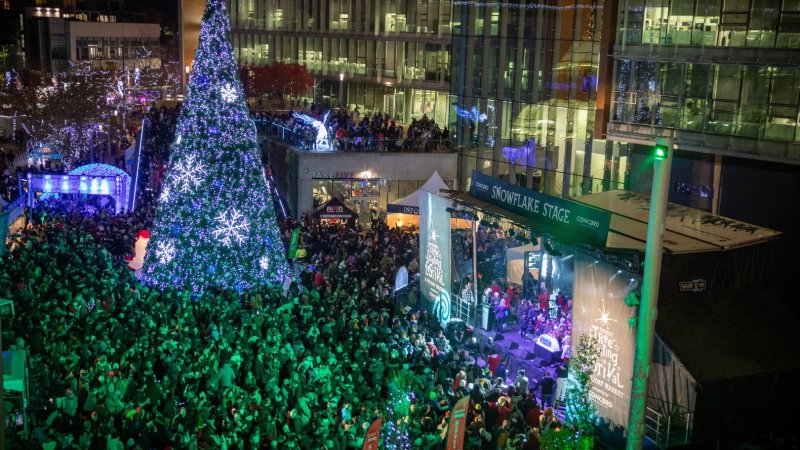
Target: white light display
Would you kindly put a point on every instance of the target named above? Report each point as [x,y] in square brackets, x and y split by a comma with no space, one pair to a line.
[232,226]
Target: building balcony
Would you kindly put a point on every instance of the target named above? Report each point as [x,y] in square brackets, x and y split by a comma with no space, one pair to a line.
[760,147]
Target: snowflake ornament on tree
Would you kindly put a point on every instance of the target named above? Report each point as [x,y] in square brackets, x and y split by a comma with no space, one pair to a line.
[228,93]
[165,251]
[188,174]
[232,226]
[164,197]
[264,263]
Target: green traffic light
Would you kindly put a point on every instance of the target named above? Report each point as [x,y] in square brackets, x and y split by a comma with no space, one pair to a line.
[660,152]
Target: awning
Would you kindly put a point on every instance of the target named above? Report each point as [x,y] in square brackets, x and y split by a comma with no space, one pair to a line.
[688,230]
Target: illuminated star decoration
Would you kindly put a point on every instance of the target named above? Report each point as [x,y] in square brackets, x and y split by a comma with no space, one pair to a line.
[188,174]
[232,225]
[432,237]
[228,93]
[264,263]
[165,251]
[605,315]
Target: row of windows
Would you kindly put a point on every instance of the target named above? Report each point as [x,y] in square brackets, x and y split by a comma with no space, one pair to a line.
[394,16]
[113,48]
[388,59]
[721,23]
[749,101]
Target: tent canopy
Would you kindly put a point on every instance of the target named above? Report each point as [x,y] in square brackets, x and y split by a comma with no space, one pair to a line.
[334,209]
[410,203]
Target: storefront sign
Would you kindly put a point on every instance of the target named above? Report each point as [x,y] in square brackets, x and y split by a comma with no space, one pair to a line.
[564,219]
[402,209]
[698,285]
[332,175]
[434,255]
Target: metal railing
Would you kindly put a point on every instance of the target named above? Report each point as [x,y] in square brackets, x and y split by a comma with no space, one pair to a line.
[668,428]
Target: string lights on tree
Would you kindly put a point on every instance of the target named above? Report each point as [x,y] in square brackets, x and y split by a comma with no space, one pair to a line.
[215,208]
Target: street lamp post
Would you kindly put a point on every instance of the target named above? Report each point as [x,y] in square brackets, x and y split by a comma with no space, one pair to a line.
[645,330]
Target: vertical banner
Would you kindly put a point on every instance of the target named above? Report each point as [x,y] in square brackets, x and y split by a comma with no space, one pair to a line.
[434,255]
[293,243]
[600,312]
[458,425]
[373,437]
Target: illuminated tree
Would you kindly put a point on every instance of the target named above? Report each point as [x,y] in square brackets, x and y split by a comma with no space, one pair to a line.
[578,432]
[215,223]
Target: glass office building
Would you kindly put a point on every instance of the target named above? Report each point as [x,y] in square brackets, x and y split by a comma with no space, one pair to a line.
[721,76]
[380,56]
[525,83]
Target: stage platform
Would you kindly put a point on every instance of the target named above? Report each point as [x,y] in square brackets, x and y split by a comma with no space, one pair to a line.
[515,353]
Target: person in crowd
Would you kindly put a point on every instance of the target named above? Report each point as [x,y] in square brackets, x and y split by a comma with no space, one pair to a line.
[310,366]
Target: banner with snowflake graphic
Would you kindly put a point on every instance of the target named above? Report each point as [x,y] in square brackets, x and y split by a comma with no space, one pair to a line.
[434,255]
[599,311]
[215,224]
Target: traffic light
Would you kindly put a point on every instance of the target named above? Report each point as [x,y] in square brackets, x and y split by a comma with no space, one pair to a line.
[660,151]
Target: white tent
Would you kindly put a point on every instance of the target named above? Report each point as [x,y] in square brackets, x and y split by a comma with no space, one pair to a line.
[405,211]
[434,184]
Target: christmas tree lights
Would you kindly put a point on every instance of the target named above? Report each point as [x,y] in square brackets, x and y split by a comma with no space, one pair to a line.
[215,223]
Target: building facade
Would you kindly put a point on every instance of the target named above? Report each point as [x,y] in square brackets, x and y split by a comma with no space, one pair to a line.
[363,181]
[722,77]
[529,82]
[57,33]
[382,56]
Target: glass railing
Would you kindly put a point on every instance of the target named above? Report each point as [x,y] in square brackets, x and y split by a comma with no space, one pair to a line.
[304,138]
[725,120]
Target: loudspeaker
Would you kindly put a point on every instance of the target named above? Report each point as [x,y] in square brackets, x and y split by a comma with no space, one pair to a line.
[498,337]
[530,356]
[513,346]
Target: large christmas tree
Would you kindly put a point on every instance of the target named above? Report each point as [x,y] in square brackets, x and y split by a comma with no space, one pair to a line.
[215,221]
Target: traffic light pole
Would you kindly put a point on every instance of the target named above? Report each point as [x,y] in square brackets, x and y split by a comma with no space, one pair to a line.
[646,327]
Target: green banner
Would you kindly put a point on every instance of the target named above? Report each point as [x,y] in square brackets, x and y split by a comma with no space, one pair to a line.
[293,243]
[565,220]
[4,231]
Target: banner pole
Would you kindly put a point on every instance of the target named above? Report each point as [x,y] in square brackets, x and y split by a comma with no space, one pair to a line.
[646,328]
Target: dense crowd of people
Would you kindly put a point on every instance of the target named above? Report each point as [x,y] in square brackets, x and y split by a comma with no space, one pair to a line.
[309,364]
[349,131]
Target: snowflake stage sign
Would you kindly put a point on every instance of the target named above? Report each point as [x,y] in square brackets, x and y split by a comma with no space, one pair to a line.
[232,224]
